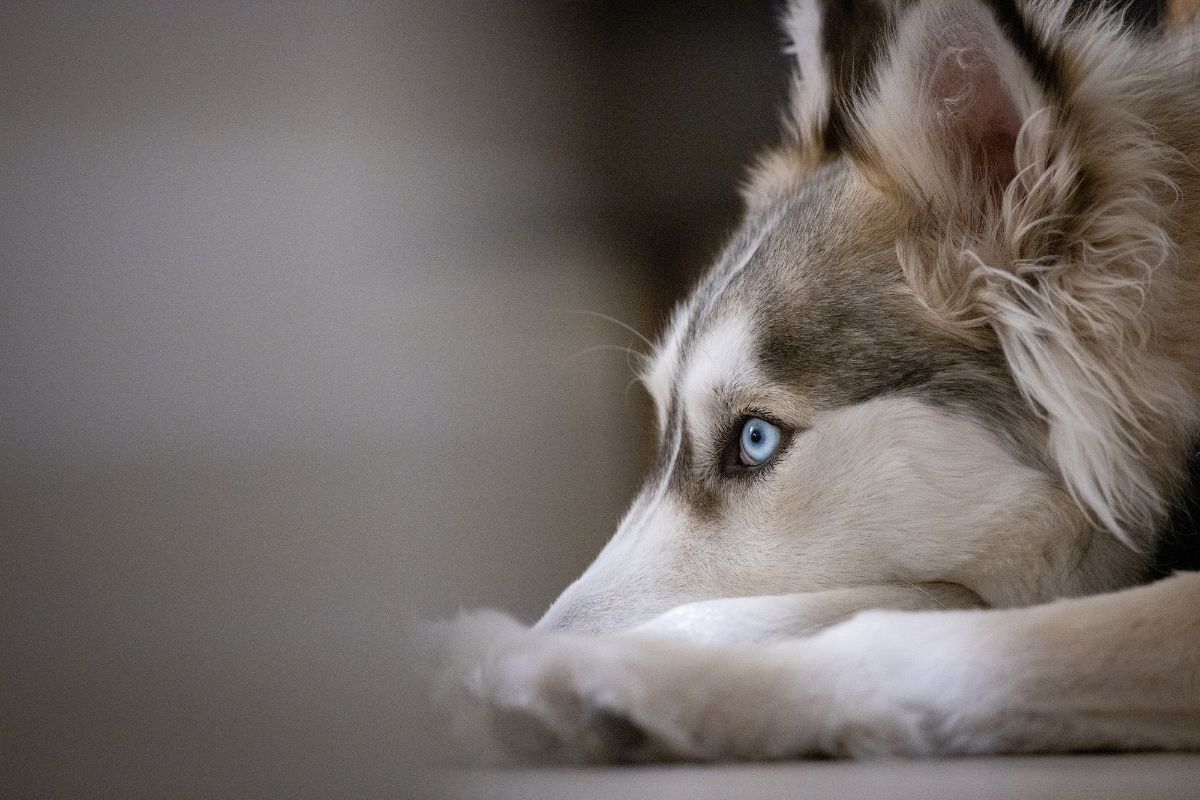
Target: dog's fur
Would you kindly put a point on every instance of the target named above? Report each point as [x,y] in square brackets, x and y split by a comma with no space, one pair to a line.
[966,288]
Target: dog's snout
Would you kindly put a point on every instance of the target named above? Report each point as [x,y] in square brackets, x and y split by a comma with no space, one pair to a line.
[558,619]
[585,612]
[575,616]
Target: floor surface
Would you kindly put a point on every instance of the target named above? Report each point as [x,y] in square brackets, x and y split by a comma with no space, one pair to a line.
[1155,776]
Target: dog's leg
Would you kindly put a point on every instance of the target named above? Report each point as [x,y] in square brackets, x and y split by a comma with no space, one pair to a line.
[774,618]
[1118,671]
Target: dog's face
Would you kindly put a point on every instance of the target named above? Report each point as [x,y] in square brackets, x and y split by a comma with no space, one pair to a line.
[818,428]
[843,401]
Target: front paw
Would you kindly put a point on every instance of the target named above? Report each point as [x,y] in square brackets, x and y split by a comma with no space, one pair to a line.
[571,699]
[508,693]
[453,655]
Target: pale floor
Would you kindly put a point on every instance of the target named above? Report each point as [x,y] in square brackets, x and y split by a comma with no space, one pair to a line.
[1151,776]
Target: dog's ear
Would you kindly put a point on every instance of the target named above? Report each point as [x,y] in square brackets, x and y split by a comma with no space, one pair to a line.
[940,122]
[834,44]
[1032,195]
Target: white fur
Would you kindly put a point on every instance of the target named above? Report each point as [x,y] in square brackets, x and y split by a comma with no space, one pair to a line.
[746,620]
[659,374]
[723,359]
[810,88]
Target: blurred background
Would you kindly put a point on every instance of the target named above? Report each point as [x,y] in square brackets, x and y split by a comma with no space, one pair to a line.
[291,352]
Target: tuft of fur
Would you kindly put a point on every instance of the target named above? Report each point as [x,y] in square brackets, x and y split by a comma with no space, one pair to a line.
[810,87]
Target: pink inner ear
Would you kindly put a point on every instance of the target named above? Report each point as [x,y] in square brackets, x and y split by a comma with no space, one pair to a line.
[978,119]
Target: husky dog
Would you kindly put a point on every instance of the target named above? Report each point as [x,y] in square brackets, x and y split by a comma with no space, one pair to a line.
[921,427]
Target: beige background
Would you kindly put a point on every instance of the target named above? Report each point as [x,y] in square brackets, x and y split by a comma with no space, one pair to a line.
[289,356]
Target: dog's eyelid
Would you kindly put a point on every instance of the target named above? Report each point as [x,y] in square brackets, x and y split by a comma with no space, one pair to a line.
[729,446]
[749,412]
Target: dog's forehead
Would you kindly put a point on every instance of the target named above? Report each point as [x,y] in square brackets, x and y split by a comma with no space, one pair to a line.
[722,328]
[703,349]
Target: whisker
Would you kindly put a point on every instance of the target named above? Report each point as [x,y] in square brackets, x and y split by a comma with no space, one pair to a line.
[927,593]
[614,321]
[597,348]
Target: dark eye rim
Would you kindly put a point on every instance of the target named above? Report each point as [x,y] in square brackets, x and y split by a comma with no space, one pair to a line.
[730,461]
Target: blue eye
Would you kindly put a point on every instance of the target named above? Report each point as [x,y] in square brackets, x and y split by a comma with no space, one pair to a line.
[760,439]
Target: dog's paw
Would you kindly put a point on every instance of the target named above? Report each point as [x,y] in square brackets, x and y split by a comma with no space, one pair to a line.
[574,699]
[454,655]
[506,693]
[536,696]
[461,644]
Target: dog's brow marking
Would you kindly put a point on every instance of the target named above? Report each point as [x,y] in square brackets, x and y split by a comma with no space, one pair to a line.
[679,338]
[683,331]
[747,254]
[721,356]
[687,335]
[662,368]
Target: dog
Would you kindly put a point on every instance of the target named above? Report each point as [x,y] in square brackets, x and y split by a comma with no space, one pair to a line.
[921,428]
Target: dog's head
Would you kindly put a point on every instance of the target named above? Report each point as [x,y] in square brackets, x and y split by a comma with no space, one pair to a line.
[924,356]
